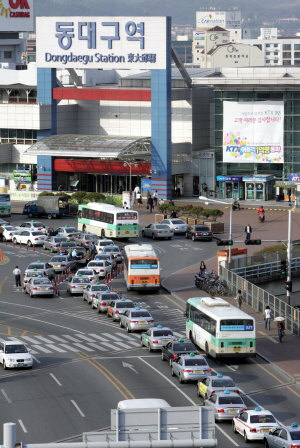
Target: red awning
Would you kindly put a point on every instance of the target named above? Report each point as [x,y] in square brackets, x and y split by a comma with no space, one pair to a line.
[100,166]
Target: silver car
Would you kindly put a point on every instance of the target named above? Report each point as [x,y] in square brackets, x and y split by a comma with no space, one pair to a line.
[47,268]
[32,274]
[85,272]
[62,263]
[39,287]
[103,299]
[190,368]
[283,437]
[213,384]
[106,257]
[67,232]
[118,307]
[136,320]
[77,285]
[115,251]
[226,405]
[176,224]
[92,290]
[102,243]
[52,243]
[102,268]
[85,239]
[156,231]
[156,337]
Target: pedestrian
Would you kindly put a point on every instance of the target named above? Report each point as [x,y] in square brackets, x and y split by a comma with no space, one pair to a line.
[248,231]
[268,317]
[1,233]
[17,274]
[88,254]
[155,198]
[114,266]
[93,250]
[280,329]
[74,253]
[202,268]
[136,191]
[173,214]
[150,204]
[239,299]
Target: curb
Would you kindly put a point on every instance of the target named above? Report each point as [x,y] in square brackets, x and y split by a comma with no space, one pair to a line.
[5,260]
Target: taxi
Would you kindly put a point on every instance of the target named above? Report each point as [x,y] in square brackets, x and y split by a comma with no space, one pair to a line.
[190,367]
[156,337]
[226,405]
[136,319]
[213,384]
[93,277]
[254,424]
[283,437]
[77,285]
[118,307]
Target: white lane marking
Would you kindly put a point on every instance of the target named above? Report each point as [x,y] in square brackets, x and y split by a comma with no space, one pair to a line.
[6,396]
[122,336]
[55,348]
[37,360]
[67,336]
[111,336]
[95,345]
[83,347]
[121,344]
[110,346]
[55,379]
[22,426]
[77,408]
[179,335]
[41,348]
[57,338]
[31,340]
[186,396]
[43,339]
[271,338]
[69,347]
[99,337]
[134,343]
[85,338]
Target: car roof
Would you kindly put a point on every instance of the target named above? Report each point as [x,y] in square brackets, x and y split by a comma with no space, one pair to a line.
[160,328]
[14,342]
[261,411]
[223,377]
[188,356]
[225,394]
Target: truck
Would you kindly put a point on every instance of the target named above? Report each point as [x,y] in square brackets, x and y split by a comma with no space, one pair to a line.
[50,206]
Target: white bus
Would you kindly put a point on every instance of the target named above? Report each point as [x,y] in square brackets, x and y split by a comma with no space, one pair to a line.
[141,267]
[108,221]
[220,329]
[5,204]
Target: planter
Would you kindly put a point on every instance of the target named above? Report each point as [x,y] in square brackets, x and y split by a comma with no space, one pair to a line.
[215,227]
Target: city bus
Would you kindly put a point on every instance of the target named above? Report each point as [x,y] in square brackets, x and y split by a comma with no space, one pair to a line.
[5,205]
[141,267]
[220,329]
[108,221]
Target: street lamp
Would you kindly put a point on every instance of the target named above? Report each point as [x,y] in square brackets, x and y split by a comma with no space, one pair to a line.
[207,201]
[130,165]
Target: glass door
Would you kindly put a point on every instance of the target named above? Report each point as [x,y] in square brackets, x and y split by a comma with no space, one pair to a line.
[249,190]
[260,191]
[229,189]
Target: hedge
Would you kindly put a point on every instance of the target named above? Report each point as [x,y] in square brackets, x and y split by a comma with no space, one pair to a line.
[190,211]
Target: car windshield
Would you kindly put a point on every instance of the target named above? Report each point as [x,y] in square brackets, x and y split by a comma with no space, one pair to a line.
[140,314]
[295,435]
[184,347]
[80,280]
[36,266]
[102,257]
[85,272]
[162,227]
[59,239]
[10,228]
[67,245]
[201,228]
[162,333]
[99,288]
[42,281]
[90,237]
[33,274]
[54,259]
[177,221]
[195,362]
[37,233]
[38,224]
[69,229]
[96,263]
[110,297]
[230,400]
[16,348]
[125,305]
[106,243]
[262,418]
[223,383]
[111,249]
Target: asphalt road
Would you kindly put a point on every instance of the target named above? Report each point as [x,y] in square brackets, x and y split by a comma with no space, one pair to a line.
[85,364]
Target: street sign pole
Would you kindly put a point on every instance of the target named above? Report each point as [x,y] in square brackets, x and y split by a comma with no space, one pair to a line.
[289,258]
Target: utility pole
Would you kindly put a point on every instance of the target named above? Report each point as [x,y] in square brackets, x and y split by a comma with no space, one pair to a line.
[289,260]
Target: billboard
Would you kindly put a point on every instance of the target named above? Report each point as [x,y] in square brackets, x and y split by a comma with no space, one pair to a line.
[16,15]
[253,132]
[101,42]
[224,19]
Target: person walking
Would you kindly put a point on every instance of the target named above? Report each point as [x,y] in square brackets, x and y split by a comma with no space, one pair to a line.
[114,266]
[239,299]
[268,317]
[248,231]
[17,274]
[202,268]
[136,191]
[150,204]
[93,250]
[280,329]
[1,233]
[155,198]
[139,199]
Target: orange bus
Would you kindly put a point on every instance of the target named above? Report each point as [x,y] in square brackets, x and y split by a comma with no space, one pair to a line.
[141,267]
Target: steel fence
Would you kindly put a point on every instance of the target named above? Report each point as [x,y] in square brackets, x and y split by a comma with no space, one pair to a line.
[257,298]
[265,271]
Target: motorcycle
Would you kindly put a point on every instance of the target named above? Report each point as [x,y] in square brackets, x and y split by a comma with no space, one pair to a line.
[261,218]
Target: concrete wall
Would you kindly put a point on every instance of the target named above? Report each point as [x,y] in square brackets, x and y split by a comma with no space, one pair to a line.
[25,116]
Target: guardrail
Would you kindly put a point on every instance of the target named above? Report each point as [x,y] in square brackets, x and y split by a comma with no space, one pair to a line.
[257,298]
[265,271]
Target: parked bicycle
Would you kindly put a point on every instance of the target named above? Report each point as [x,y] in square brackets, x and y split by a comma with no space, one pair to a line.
[212,284]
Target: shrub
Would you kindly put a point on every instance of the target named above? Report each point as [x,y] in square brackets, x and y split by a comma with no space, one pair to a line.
[197,211]
[46,193]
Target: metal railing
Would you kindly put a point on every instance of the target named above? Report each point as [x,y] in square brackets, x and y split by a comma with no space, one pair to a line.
[257,298]
[265,271]
[266,257]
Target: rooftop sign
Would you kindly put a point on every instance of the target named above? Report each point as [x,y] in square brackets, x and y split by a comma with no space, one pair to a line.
[16,15]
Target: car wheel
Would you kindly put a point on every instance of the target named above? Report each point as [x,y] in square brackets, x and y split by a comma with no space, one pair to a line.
[162,356]
[153,236]
[149,348]
[245,437]
[234,428]
[128,329]
[172,372]
[266,445]
[29,243]
[180,379]
[4,366]
[120,324]
[193,238]
[170,238]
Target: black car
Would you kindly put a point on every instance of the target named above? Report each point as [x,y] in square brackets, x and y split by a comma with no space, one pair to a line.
[173,349]
[199,232]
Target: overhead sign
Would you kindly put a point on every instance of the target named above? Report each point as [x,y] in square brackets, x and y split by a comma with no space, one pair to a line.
[101,42]
[253,132]
[16,15]
[294,177]
[224,19]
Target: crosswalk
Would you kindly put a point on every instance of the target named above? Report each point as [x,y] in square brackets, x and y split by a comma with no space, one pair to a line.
[90,342]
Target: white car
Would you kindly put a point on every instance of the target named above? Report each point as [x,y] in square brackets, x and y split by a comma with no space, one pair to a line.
[176,224]
[100,267]
[254,424]
[89,273]
[14,354]
[32,226]
[115,251]
[32,274]
[29,237]
[102,243]
[92,291]
[40,266]
[67,232]
[39,287]
[9,232]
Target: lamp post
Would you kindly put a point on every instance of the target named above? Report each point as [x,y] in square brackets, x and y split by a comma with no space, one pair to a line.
[130,165]
[207,201]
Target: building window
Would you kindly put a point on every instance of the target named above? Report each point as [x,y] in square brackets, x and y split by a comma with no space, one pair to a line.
[297,62]
[7,54]
[20,136]
[296,46]
[268,45]
[287,54]
[286,46]
[297,54]
[288,62]
[268,53]
[276,45]
[275,53]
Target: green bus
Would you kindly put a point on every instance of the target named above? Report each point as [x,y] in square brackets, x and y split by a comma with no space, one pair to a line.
[219,328]
[5,204]
[108,221]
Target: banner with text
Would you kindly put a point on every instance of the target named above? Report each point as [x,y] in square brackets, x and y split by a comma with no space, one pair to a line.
[101,42]
[253,132]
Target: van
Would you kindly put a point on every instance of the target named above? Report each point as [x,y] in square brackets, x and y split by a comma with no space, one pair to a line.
[140,403]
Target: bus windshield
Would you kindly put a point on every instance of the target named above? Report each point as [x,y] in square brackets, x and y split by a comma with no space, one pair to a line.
[146,263]
[236,325]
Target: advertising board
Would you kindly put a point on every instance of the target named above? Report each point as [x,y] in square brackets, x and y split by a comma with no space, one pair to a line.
[102,42]
[253,132]
[224,19]
[16,15]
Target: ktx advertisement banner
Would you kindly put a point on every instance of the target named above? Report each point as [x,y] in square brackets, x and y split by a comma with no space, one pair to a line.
[102,42]
[253,132]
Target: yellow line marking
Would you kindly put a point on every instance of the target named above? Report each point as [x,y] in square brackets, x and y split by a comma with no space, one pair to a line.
[2,282]
[24,333]
[109,376]
[8,330]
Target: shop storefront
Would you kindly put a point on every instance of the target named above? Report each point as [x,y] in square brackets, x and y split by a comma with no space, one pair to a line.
[259,187]
[230,187]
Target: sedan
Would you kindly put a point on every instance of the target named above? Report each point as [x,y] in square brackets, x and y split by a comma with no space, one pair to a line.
[103,299]
[156,231]
[115,251]
[254,424]
[67,232]
[102,268]
[29,237]
[41,266]
[136,320]
[173,349]
[67,246]
[226,405]
[176,224]
[117,308]
[190,367]
[39,287]
[85,272]
[14,354]
[77,285]
[212,384]
[32,274]
[8,232]
[62,263]
[106,257]
[283,437]
[85,239]
[52,243]
[102,243]
[199,233]
[92,291]
[33,225]
[156,337]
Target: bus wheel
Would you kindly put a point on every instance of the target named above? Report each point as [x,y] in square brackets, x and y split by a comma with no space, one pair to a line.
[30,215]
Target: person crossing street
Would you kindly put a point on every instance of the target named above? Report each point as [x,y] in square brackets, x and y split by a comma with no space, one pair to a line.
[17,274]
